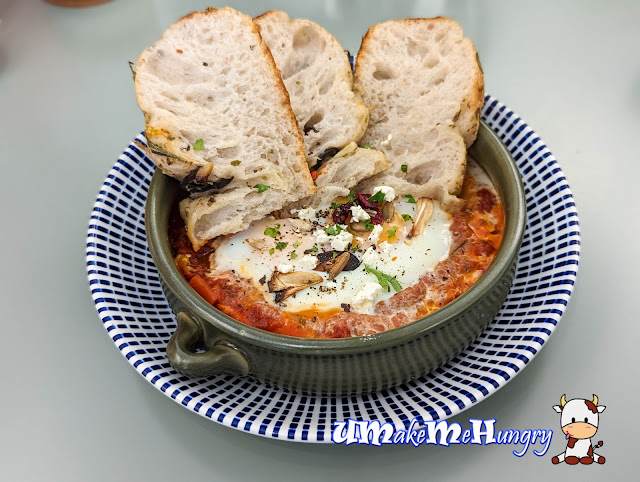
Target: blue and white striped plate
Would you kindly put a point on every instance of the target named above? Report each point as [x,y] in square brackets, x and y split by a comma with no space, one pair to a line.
[126,291]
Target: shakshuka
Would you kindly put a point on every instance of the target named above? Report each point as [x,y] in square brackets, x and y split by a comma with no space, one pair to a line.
[367,263]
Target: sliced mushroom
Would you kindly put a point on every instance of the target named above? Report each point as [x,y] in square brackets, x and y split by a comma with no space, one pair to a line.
[257,243]
[338,266]
[286,284]
[329,259]
[196,182]
[326,156]
[424,210]
[301,224]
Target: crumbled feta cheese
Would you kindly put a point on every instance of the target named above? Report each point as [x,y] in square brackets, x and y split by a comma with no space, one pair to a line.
[366,296]
[322,237]
[307,214]
[385,247]
[309,261]
[370,256]
[375,234]
[340,242]
[285,268]
[358,214]
[387,141]
[389,192]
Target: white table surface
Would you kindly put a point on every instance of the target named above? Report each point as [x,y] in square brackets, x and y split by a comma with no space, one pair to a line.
[71,407]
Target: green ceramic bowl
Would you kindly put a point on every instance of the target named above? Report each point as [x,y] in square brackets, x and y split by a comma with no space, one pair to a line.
[208,342]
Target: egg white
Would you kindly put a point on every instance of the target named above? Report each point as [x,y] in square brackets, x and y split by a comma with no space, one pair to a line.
[406,262]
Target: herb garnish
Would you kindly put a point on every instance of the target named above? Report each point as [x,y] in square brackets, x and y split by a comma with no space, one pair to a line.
[296,244]
[280,245]
[367,146]
[261,187]
[404,168]
[273,232]
[235,163]
[294,255]
[271,251]
[410,199]
[352,196]
[333,230]
[407,217]
[314,249]
[367,225]
[199,145]
[384,279]
[379,197]
[391,233]
[355,249]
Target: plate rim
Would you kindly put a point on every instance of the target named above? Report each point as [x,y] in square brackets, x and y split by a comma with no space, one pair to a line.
[491,105]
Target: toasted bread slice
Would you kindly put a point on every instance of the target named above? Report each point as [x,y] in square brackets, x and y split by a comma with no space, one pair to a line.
[339,175]
[424,87]
[218,115]
[435,161]
[420,71]
[317,73]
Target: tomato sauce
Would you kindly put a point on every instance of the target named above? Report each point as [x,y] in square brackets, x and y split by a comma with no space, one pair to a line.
[476,230]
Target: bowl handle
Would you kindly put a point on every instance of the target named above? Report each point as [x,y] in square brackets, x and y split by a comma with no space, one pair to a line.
[221,356]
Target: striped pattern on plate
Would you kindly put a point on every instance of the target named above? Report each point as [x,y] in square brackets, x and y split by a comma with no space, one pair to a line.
[126,290]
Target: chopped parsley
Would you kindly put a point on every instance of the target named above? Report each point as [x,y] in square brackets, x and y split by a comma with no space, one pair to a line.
[391,233]
[379,196]
[384,279]
[280,245]
[367,225]
[261,187]
[355,249]
[410,199]
[296,244]
[333,230]
[273,232]
[404,168]
[367,146]
[199,145]
[235,163]
[272,250]
[314,249]
[352,196]
[294,255]
[407,217]
[335,205]
[334,255]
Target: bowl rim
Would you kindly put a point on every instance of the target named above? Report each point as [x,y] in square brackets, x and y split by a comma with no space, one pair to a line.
[515,220]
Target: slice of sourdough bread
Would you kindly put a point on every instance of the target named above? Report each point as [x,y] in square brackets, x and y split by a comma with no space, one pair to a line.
[339,175]
[424,87]
[214,103]
[316,71]
[435,161]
